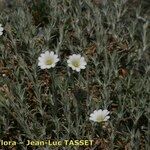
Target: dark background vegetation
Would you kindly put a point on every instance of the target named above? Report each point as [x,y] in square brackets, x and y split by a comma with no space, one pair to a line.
[114,38]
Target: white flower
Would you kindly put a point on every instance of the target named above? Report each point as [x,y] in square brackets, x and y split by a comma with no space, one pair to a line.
[48,60]
[1,29]
[76,62]
[99,115]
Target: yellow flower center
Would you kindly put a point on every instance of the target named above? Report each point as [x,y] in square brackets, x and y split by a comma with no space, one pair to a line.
[49,62]
[100,118]
[76,63]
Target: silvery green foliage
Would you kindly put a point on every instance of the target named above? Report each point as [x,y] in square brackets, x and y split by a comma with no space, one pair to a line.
[112,36]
